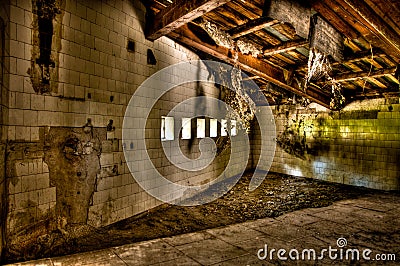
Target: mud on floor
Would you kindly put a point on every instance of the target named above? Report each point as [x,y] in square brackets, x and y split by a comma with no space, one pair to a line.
[278,194]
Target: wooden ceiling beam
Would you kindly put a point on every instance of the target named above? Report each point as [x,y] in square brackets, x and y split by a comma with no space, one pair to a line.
[362,55]
[247,63]
[375,94]
[251,26]
[285,47]
[178,13]
[356,57]
[365,74]
[361,16]
[375,23]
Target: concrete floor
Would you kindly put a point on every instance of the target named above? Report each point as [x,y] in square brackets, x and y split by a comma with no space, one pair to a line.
[371,222]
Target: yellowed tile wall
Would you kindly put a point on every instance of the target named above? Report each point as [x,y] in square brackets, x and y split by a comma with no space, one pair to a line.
[353,147]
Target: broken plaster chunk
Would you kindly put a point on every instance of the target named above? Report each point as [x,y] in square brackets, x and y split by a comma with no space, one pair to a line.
[87,148]
[248,48]
[110,135]
[219,36]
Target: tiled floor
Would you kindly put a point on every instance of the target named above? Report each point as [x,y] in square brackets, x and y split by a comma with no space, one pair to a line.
[371,222]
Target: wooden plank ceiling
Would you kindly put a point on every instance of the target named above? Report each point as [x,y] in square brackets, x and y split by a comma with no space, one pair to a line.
[371,39]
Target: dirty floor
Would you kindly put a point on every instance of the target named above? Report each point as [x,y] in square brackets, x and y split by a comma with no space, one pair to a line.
[369,222]
[278,199]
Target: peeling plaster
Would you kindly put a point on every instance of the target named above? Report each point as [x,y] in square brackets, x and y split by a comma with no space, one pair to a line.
[73,156]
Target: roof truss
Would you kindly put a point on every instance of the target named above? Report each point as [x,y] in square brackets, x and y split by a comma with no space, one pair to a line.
[177,14]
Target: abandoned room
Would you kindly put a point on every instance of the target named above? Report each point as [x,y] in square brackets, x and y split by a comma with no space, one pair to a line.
[199,132]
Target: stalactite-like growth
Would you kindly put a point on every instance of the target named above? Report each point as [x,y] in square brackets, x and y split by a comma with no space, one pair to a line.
[319,67]
[238,99]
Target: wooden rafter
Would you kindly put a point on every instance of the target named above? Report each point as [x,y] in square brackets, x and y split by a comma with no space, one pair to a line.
[365,74]
[177,14]
[356,57]
[251,26]
[362,19]
[362,55]
[285,47]
[248,63]
[374,23]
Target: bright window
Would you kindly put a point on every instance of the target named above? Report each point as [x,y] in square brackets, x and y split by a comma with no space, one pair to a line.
[186,128]
[201,128]
[213,128]
[233,128]
[167,128]
[224,127]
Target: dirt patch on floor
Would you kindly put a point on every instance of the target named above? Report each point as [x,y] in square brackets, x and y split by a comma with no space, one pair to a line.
[278,194]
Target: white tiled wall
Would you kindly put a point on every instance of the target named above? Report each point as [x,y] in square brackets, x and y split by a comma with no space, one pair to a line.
[97,77]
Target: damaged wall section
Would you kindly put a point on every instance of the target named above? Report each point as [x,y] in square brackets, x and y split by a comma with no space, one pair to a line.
[66,174]
[47,34]
[73,159]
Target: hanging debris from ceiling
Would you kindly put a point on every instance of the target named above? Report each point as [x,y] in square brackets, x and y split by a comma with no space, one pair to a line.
[238,99]
[224,39]
[220,37]
[319,67]
[338,100]
[241,101]
[325,43]
[248,48]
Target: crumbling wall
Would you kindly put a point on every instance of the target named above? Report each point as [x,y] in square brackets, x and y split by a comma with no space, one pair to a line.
[73,159]
[65,162]
[359,145]
[31,197]
[47,16]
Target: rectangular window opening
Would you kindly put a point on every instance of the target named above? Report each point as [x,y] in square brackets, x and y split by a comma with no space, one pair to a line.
[224,127]
[233,128]
[167,128]
[186,128]
[213,128]
[201,128]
